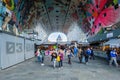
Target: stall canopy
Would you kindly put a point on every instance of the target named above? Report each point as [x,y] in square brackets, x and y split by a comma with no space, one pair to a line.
[113,43]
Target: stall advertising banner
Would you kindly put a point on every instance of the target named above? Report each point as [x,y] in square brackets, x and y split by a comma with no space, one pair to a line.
[109,35]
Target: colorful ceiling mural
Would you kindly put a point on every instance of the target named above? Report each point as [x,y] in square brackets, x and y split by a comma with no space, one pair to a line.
[103,13]
[58,15]
[22,13]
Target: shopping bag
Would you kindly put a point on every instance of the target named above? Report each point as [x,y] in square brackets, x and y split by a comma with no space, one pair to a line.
[58,58]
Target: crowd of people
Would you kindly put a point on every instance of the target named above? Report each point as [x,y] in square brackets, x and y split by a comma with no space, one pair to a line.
[83,55]
[58,54]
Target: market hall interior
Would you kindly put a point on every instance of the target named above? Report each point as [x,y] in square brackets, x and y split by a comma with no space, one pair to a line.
[26,25]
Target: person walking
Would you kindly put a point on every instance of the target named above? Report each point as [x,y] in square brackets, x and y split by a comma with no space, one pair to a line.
[113,55]
[80,52]
[60,53]
[87,54]
[75,50]
[69,55]
[42,52]
[38,55]
[53,58]
[108,55]
[92,56]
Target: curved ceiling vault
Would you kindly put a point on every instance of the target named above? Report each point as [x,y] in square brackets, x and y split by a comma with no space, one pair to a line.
[58,15]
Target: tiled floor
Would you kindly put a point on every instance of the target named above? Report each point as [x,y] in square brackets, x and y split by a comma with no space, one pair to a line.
[32,70]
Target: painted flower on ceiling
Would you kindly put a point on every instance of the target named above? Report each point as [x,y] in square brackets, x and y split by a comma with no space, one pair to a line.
[102,13]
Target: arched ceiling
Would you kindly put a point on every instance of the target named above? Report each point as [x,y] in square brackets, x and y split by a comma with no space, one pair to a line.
[58,15]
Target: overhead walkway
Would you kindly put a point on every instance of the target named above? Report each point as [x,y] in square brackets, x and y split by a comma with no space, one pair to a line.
[31,70]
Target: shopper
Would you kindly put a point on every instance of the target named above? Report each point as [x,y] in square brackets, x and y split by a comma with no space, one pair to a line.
[60,53]
[38,55]
[87,54]
[108,55]
[69,55]
[75,50]
[80,52]
[113,55]
[92,56]
[42,53]
[53,58]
